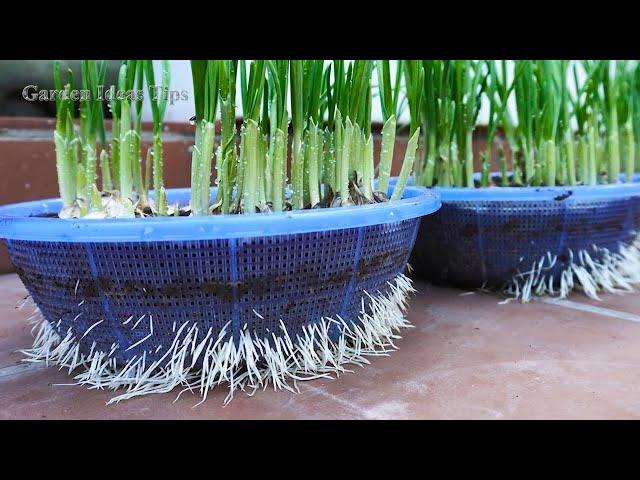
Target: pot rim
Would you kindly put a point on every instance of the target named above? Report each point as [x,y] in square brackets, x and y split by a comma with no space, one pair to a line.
[17,224]
[544,193]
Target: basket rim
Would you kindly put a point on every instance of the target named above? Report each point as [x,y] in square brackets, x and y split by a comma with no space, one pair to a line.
[558,193]
[16,222]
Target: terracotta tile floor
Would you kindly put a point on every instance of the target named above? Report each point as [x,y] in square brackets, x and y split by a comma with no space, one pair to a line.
[468,357]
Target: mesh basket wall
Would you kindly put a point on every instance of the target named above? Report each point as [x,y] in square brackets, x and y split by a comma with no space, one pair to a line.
[476,243]
[296,278]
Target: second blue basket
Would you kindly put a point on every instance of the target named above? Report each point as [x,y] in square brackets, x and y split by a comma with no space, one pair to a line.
[494,236]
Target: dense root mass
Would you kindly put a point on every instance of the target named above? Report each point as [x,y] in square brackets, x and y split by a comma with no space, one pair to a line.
[199,361]
[611,272]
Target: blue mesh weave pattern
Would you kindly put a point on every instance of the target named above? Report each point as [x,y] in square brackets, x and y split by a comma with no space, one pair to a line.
[484,242]
[257,281]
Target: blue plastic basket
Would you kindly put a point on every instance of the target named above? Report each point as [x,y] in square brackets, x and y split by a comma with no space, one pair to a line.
[485,236]
[253,270]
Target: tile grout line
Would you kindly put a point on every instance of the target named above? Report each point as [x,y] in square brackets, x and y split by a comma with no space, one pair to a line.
[363,413]
[13,370]
[607,312]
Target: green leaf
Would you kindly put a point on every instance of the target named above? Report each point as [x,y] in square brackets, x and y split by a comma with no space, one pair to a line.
[198,74]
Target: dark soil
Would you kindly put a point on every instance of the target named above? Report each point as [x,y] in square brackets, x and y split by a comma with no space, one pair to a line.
[564,196]
[45,215]
[226,291]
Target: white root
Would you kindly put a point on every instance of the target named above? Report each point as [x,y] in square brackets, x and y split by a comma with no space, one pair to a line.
[248,364]
[613,272]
